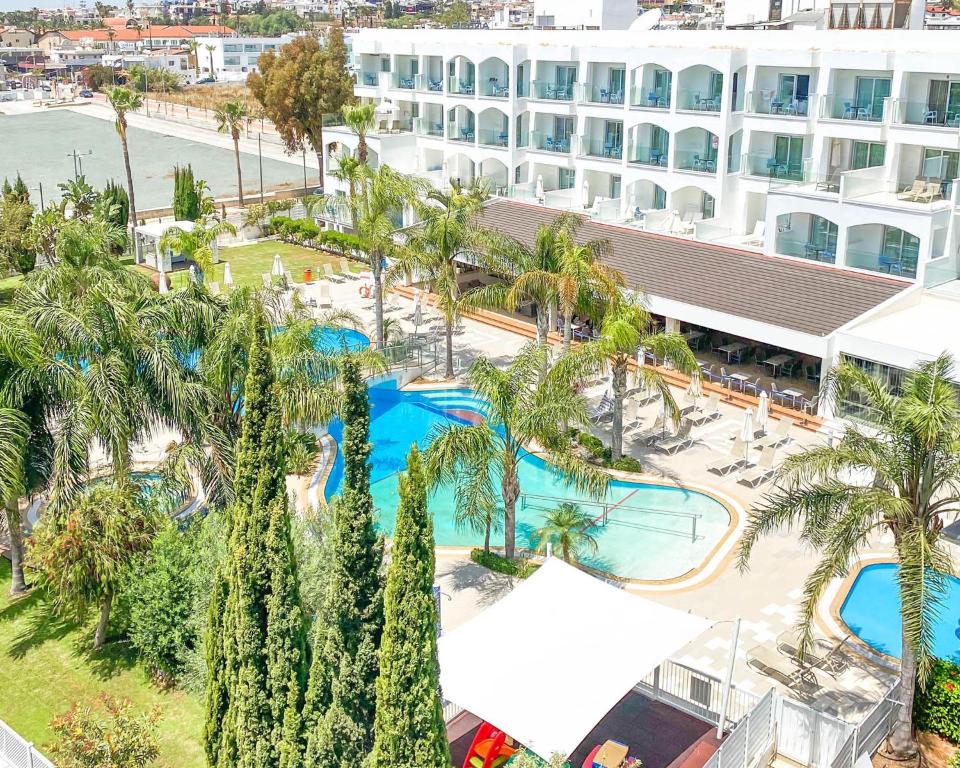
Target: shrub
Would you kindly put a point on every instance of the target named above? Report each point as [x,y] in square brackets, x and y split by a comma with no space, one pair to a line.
[627,464]
[342,243]
[84,737]
[938,705]
[301,450]
[516,567]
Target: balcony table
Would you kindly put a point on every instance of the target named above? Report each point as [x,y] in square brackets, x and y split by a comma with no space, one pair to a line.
[793,394]
[741,378]
[731,350]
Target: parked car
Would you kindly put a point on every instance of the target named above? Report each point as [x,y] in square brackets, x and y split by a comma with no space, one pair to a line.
[205,80]
[86,93]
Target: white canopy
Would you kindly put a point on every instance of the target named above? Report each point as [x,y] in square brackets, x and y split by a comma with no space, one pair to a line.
[552,658]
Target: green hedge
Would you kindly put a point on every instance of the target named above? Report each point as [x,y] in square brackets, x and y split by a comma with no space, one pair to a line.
[517,567]
[603,455]
[937,707]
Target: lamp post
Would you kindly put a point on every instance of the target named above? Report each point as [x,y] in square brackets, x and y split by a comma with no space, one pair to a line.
[40,188]
[260,157]
[728,679]
[78,161]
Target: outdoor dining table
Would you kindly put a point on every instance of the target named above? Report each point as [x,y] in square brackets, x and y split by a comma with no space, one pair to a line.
[742,378]
[777,362]
[793,394]
[693,337]
[732,349]
[611,755]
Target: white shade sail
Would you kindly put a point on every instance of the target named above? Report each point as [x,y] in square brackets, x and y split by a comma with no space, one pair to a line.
[547,662]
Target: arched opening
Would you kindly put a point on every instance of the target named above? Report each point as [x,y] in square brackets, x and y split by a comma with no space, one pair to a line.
[652,86]
[495,175]
[692,204]
[700,88]
[649,144]
[806,236]
[696,149]
[494,78]
[461,125]
[882,248]
[493,128]
[459,167]
[461,76]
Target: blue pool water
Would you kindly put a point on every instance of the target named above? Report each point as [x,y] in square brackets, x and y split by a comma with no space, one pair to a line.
[633,544]
[329,339]
[871,610]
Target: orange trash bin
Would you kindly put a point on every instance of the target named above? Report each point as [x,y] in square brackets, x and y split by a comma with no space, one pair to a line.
[308,275]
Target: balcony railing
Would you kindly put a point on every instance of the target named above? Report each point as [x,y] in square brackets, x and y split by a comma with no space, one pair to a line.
[811,251]
[465,134]
[697,100]
[602,148]
[492,137]
[845,108]
[596,93]
[648,156]
[495,88]
[810,178]
[922,113]
[426,127]
[767,103]
[900,265]
[368,79]
[394,125]
[694,161]
[403,82]
[549,143]
[650,98]
[771,167]
[460,87]
[552,91]
[428,84]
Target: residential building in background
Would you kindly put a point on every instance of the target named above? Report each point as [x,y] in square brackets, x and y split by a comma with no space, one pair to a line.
[233,58]
[825,14]
[827,148]
[584,14]
[16,37]
[942,17]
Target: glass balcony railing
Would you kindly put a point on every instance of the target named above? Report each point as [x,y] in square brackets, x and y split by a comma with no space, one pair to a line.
[803,250]
[771,167]
[650,98]
[900,265]
[696,100]
[428,84]
[492,137]
[495,88]
[460,87]
[923,113]
[767,103]
[549,143]
[394,125]
[403,82]
[694,161]
[812,178]
[552,91]
[466,134]
[368,79]
[845,108]
[602,148]
[648,156]
[427,127]
[595,93]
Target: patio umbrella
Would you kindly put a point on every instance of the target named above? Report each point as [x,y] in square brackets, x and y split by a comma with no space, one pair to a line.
[227,274]
[162,285]
[387,110]
[539,190]
[586,193]
[695,390]
[277,270]
[748,429]
[763,411]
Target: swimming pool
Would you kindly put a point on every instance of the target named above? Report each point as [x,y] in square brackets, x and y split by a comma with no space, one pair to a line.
[327,338]
[648,537]
[871,610]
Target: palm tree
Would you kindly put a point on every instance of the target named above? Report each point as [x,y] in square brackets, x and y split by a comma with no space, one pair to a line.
[210,51]
[14,436]
[124,100]
[911,452]
[567,530]
[230,119]
[582,281]
[361,119]
[525,406]
[197,243]
[192,46]
[79,195]
[447,231]
[624,330]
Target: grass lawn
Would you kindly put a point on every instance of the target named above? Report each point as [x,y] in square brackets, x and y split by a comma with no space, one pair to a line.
[46,665]
[249,262]
[7,287]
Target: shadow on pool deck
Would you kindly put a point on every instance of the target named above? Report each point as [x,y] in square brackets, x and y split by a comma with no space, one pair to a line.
[658,734]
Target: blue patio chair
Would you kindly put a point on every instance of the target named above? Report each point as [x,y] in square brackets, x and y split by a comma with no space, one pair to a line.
[848,111]
[550,143]
[605,95]
[753,387]
[655,155]
[930,117]
[652,99]
[828,256]
[697,163]
[503,139]
[889,262]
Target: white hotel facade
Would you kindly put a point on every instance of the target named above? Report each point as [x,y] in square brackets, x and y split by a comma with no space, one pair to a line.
[831,150]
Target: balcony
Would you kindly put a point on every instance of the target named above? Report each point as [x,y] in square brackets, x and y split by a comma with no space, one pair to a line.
[427,84]
[425,127]
[924,114]
[846,108]
[695,161]
[552,91]
[698,101]
[367,79]
[603,148]
[768,103]
[462,134]
[459,87]
[403,82]
[602,94]
[548,143]
[493,88]
[650,99]
[897,264]
[492,137]
[772,167]
[652,156]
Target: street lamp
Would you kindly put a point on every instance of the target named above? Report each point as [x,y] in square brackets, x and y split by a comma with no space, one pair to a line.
[78,161]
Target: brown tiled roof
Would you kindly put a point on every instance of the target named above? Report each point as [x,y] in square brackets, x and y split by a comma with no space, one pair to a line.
[801,296]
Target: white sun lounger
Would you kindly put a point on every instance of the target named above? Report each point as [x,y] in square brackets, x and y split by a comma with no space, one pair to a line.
[762,470]
[732,461]
[330,275]
[779,435]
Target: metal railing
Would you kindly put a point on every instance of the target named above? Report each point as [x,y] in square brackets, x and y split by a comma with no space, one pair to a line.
[606,507]
[746,744]
[866,738]
[18,752]
[414,351]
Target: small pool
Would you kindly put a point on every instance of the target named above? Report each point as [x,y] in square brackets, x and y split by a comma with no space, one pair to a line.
[649,538]
[330,339]
[871,610]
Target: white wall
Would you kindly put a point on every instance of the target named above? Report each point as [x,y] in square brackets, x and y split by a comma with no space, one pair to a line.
[598,14]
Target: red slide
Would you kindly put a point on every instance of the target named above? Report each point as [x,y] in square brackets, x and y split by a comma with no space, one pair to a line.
[488,749]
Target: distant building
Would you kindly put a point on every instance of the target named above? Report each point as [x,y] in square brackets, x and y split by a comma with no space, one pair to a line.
[511,15]
[232,59]
[837,14]
[114,40]
[584,14]
[940,17]
[16,37]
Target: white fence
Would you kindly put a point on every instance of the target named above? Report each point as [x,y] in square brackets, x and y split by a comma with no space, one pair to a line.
[16,752]
[867,737]
[806,736]
[752,739]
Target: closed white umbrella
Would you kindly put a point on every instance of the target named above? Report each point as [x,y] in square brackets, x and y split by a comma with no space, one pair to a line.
[193,273]
[539,191]
[748,429]
[277,270]
[695,390]
[227,274]
[586,193]
[162,283]
[763,412]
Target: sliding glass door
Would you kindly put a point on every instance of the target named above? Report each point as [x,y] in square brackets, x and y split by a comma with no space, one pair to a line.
[871,91]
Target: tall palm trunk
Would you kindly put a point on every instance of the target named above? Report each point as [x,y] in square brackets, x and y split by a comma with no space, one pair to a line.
[126,165]
[901,742]
[567,329]
[542,328]
[619,390]
[510,488]
[486,533]
[318,148]
[15,533]
[100,634]
[552,316]
[448,332]
[362,149]
[377,270]
[236,155]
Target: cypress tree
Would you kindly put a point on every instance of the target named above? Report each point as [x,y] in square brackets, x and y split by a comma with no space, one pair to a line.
[409,731]
[257,652]
[341,697]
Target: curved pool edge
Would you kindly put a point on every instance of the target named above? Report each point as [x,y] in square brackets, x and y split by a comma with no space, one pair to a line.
[704,572]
